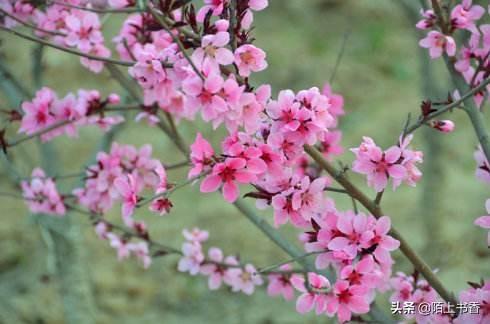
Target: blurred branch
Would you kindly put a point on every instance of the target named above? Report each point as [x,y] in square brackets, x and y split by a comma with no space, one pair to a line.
[340,55]
[432,195]
[66,49]
[66,252]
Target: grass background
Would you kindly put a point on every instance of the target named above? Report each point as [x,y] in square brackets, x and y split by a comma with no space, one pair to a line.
[379,79]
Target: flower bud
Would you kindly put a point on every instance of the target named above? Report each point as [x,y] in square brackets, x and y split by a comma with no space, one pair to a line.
[113,99]
[445,126]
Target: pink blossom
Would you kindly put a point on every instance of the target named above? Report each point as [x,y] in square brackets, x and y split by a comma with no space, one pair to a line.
[195,235]
[120,245]
[126,186]
[249,59]
[484,221]
[161,206]
[83,30]
[437,43]
[362,273]
[96,66]
[102,229]
[206,95]
[313,296]
[217,267]
[213,50]
[41,195]
[37,114]
[228,173]
[192,258]
[483,167]
[330,145]
[379,238]
[281,283]
[464,16]
[354,229]
[377,165]
[428,21]
[215,6]
[119,3]
[309,200]
[201,156]
[244,279]
[142,253]
[481,296]
[445,126]
[258,5]
[347,299]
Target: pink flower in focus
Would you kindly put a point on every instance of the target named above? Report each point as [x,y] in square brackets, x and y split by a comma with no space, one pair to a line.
[379,238]
[201,156]
[379,166]
[437,43]
[229,172]
[347,299]
[249,59]
[213,50]
[314,296]
[464,16]
[362,273]
[83,30]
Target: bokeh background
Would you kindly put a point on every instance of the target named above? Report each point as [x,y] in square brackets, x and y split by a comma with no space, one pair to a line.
[381,79]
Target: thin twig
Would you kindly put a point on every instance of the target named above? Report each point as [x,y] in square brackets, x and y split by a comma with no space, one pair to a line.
[340,55]
[52,32]
[66,49]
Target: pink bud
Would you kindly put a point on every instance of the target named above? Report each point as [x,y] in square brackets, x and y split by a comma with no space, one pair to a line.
[113,99]
[445,126]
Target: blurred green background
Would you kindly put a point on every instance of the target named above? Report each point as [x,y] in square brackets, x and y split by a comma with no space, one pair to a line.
[380,80]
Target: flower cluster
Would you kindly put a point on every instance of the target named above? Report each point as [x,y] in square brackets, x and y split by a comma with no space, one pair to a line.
[46,111]
[218,268]
[122,244]
[64,25]
[41,195]
[472,58]
[397,163]
[122,175]
[479,294]
[413,289]
[200,63]
[358,247]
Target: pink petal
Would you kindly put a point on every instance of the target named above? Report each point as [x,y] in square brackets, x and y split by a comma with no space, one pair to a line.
[304,304]
[230,191]
[211,183]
